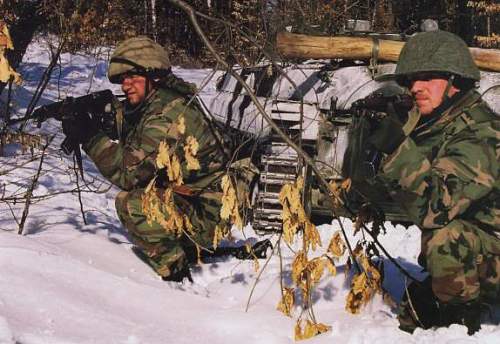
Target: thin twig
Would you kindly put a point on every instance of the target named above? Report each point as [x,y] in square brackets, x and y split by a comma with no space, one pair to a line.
[32,187]
[6,116]
[79,191]
[257,278]
[43,83]
[278,243]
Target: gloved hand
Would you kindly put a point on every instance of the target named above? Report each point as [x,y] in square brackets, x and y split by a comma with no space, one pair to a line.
[79,128]
[389,134]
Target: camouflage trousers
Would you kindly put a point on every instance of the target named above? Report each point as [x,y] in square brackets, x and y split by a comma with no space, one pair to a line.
[165,252]
[463,262]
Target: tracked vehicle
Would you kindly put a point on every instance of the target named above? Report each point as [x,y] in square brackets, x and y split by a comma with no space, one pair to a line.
[317,104]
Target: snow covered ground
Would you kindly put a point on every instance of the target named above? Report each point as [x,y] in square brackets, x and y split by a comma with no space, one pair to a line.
[65,282]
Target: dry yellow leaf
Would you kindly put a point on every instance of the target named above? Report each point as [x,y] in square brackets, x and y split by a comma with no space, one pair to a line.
[6,71]
[181,125]
[358,295]
[315,269]
[176,222]
[364,286]
[290,224]
[151,204]
[337,246]
[298,266]
[163,157]
[4,31]
[337,188]
[311,234]
[293,214]
[330,266]
[190,150]
[218,236]
[310,329]
[170,163]
[175,172]
[373,273]
[229,209]
[285,305]
[256,264]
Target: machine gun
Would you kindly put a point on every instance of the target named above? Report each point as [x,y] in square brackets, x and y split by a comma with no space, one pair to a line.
[374,104]
[100,107]
[361,161]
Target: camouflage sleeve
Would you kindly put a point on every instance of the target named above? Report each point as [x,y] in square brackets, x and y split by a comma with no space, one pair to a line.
[435,192]
[132,164]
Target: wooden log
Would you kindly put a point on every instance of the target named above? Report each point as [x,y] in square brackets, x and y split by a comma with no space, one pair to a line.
[360,48]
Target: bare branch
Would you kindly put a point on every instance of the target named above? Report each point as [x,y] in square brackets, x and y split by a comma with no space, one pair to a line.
[32,188]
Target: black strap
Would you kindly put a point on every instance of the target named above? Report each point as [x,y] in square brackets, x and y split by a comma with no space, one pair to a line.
[152,72]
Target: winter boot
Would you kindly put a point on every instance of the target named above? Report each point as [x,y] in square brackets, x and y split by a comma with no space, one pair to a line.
[419,307]
[179,275]
[468,314]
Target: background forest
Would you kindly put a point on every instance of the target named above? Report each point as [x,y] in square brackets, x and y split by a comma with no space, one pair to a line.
[90,23]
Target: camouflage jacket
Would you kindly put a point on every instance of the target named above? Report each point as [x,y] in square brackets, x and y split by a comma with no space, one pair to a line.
[450,169]
[130,163]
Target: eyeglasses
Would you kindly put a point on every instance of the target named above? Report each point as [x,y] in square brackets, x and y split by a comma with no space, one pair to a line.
[128,76]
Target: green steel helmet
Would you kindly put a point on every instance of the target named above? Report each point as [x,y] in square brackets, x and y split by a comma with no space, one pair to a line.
[439,52]
[138,55]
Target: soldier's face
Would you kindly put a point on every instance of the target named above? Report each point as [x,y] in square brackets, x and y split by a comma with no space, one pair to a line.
[135,88]
[428,93]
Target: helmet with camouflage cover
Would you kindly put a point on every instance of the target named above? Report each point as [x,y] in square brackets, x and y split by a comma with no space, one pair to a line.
[436,52]
[139,55]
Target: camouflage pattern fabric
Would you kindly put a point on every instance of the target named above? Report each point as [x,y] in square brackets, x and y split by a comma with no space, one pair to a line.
[166,253]
[464,262]
[446,175]
[130,165]
[141,51]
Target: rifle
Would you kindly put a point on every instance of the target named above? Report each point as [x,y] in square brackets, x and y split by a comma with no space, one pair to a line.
[100,106]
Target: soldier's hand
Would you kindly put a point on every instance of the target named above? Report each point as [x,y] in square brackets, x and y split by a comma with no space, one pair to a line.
[79,128]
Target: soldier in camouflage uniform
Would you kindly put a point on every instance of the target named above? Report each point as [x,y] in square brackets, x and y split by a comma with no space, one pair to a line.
[155,101]
[445,172]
